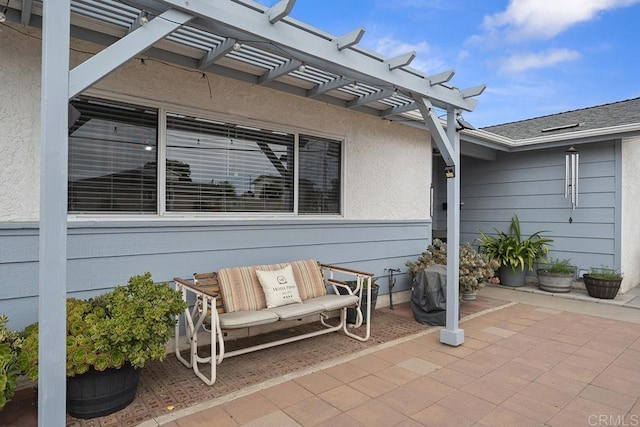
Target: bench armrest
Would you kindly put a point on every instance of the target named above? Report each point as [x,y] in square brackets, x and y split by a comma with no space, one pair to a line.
[345,270]
[197,289]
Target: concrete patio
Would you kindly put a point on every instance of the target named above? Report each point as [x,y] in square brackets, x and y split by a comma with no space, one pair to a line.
[528,359]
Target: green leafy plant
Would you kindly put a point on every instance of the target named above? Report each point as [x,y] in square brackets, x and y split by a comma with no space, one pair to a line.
[130,324]
[10,343]
[559,266]
[604,272]
[474,271]
[511,249]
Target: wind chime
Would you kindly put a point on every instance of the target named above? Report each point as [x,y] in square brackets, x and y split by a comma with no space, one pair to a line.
[572,161]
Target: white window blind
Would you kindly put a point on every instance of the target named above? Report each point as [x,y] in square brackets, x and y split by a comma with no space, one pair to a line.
[112,157]
[223,167]
[320,183]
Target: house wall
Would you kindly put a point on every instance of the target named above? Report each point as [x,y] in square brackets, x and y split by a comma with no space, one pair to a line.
[531,185]
[630,208]
[387,170]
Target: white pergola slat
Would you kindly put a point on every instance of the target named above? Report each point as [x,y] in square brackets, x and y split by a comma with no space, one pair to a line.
[271,41]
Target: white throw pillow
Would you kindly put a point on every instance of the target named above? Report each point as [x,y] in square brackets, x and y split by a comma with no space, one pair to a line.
[279,287]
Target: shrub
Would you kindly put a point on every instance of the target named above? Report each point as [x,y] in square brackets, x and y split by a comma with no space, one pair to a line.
[10,343]
[130,324]
[474,271]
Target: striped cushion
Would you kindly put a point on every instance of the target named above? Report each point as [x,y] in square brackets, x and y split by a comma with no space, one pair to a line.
[241,288]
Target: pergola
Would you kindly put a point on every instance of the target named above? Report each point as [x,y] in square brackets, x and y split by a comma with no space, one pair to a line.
[238,39]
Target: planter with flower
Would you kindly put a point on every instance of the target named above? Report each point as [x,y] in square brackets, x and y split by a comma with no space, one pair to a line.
[109,338]
[474,271]
[602,282]
[557,276]
[10,343]
[514,254]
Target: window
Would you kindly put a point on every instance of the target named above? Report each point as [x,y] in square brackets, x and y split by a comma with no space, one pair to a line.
[221,167]
[211,166]
[112,158]
[319,176]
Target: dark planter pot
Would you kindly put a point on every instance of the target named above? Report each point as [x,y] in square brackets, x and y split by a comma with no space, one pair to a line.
[352,313]
[601,288]
[96,394]
[510,277]
[555,282]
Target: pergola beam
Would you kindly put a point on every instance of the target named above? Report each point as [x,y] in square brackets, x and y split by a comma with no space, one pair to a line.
[473,91]
[437,131]
[280,10]
[328,86]
[401,61]
[107,60]
[26,12]
[214,54]
[232,19]
[279,71]
[440,78]
[372,97]
[352,38]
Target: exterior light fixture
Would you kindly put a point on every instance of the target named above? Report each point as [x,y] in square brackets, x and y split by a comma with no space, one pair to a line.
[237,46]
[3,16]
[302,68]
[144,19]
[450,172]
[571,166]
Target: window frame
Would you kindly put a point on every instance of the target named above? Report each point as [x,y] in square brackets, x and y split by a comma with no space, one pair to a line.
[163,108]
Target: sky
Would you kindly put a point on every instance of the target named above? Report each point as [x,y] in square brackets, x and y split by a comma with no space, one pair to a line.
[537,57]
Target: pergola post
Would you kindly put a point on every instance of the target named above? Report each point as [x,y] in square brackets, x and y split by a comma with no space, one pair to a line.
[52,307]
[452,334]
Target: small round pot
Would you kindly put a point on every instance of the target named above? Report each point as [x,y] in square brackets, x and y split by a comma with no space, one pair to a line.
[601,288]
[555,282]
[469,296]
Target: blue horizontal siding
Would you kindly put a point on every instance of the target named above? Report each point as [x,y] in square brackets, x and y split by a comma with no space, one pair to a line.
[531,185]
[104,254]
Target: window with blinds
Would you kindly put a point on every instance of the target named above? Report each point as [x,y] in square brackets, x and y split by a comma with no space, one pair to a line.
[223,167]
[319,184]
[112,157]
[211,166]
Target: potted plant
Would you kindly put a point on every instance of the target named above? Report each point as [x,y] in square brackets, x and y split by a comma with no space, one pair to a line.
[475,269]
[10,343]
[557,276]
[602,282]
[514,254]
[109,338]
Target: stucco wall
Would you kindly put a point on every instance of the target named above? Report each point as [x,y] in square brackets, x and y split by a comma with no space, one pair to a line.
[387,165]
[630,209]
[19,125]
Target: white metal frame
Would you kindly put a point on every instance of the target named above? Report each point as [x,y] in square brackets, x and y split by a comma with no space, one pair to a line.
[203,316]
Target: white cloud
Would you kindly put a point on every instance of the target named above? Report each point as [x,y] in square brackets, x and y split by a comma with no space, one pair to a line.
[424,61]
[543,19]
[526,61]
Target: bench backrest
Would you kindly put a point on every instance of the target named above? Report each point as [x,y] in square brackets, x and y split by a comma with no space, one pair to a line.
[241,290]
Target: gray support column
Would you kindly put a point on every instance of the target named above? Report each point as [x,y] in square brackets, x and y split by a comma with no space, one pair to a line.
[451,334]
[52,306]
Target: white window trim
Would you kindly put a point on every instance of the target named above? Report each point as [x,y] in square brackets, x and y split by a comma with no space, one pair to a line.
[162,215]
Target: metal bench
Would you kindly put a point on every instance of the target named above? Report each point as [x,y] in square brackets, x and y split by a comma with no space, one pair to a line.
[220,304]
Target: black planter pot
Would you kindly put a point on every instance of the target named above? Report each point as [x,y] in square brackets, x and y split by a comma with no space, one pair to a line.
[352,313]
[601,288]
[99,393]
